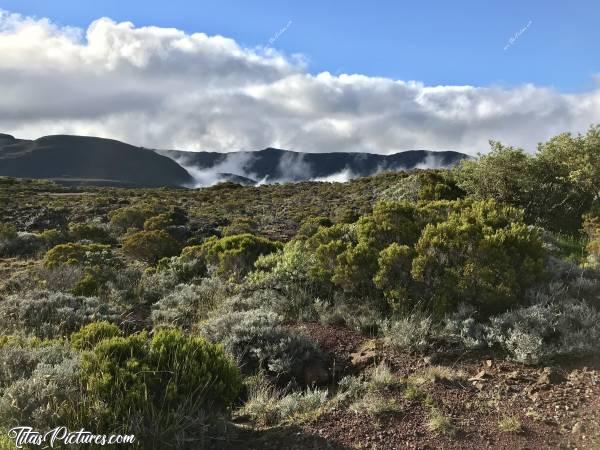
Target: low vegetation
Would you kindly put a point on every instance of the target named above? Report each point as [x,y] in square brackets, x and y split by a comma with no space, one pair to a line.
[167,313]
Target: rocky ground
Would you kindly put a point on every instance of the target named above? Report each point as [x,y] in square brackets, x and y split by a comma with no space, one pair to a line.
[489,403]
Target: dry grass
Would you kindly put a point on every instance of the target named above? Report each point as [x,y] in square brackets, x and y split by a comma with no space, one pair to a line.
[510,424]
[438,423]
[435,374]
[381,378]
[375,404]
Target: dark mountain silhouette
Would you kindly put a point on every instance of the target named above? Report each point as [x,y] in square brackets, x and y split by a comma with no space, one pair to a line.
[88,160]
[97,161]
[283,165]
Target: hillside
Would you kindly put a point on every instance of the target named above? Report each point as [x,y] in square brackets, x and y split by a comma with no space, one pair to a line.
[88,160]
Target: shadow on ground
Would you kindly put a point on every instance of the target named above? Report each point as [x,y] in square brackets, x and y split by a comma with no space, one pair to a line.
[289,438]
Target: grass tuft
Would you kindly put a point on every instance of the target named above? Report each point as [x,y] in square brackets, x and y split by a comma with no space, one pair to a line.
[510,424]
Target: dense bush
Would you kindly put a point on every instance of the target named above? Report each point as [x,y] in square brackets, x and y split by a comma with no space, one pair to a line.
[310,226]
[53,237]
[159,222]
[483,256]
[591,227]
[554,187]
[424,186]
[402,256]
[78,254]
[150,246]
[129,217]
[51,314]
[90,335]
[90,232]
[285,274]
[234,256]
[135,378]
[242,225]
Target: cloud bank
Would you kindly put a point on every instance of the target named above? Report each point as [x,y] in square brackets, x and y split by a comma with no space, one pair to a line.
[164,88]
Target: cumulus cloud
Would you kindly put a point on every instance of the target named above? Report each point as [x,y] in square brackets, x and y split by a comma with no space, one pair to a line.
[164,88]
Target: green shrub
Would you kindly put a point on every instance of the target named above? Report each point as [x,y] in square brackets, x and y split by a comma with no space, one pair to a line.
[286,274]
[91,334]
[78,254]
[53,237]
[310,226]
[88,286]
[159,222]
[136,377]
[483,256]
[240,225]
[591,227]
[424,185]
[129,217]
[393,274]
[554,187]
[234,256]
[89,232]
[150,246]
[7,232]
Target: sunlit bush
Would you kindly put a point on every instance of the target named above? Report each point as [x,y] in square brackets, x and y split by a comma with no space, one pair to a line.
[135,378]
[150,246]
[484,256]
[234,256]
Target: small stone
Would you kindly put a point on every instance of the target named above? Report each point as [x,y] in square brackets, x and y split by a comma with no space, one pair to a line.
[363,359]
[550,376]
[480,376]
[577,428]
[513,375]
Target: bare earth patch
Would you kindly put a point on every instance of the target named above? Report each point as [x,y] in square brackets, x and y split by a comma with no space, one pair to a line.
[465,404]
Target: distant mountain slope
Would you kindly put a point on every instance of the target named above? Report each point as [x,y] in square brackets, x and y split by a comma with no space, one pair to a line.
[106,162]
[89,160]
[284,165]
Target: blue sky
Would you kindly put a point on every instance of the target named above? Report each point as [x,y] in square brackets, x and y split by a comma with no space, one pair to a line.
[379,77]
[436,42]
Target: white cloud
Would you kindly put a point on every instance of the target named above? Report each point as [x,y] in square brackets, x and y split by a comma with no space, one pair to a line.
[161,87]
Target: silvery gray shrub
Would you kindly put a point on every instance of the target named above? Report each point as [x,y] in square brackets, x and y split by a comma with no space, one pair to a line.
[257,339]
[543,332]
[47,314]
[187,304]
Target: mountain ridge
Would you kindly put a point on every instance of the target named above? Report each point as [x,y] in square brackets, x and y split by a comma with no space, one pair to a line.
[71,159]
